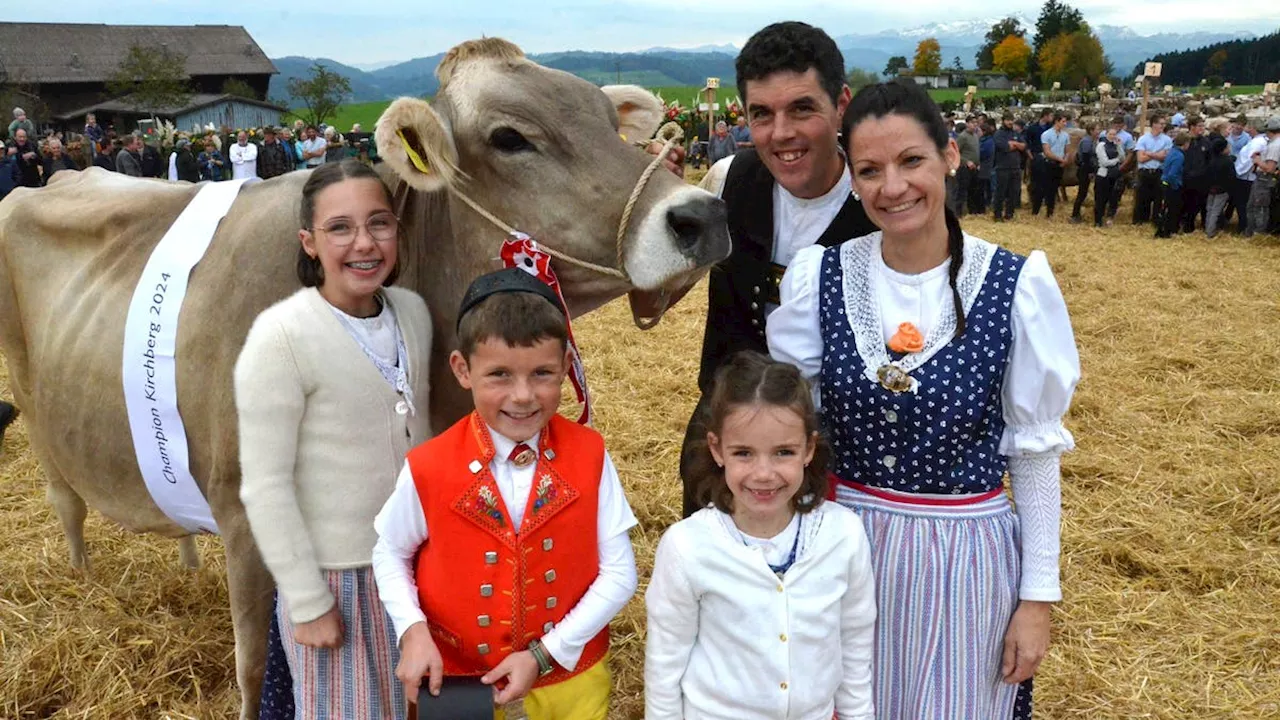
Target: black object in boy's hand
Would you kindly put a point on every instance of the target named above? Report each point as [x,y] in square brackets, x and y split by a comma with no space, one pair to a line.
[460,698]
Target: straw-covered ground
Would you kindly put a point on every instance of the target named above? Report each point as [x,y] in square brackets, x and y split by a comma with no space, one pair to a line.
[1171,530]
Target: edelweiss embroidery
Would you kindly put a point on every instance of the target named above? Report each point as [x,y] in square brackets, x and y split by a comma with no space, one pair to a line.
[544,493]
[487,503]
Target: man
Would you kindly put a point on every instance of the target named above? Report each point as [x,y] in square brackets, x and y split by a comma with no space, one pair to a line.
[149,159]
[1267,167]
[244,158]
[28,159]
[967,141]
[20,121]
[106,155]
[57,160]
[127,160]
[742,133]
[1086,168]
[722,144]
[1179,119]
[188,169]
[1053,144]
[314,148]
[9,176]
[1152,148]
[1195,174]
[1039,167]
[1246,173]
[790,191]
[273,158]
[1008,165]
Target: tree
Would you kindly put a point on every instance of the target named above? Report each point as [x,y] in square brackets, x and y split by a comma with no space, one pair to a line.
[956,64]
[239,88]
[1074,59]
[1216,67]
[1012,56]
[859,78]
[928,60]
[1055,19]
[320,94]
[896,63]
[153,77]
[996,35]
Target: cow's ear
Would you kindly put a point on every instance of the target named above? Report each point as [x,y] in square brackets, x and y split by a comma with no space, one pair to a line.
[418,145]
[639,111]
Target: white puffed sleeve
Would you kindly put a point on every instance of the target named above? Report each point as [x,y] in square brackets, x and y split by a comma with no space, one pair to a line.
[793,330]
[1043,368]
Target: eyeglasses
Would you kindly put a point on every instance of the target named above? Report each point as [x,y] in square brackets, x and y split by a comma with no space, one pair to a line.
[383,227]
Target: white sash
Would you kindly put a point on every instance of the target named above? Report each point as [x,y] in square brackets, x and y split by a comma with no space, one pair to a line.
[150,339]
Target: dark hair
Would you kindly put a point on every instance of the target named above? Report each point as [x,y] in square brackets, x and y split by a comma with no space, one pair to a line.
[1059,116]
[1155,118]
[793,46]
[1118,120]
[1182,139]
[521,319]
[911,100]
[1218,145]
[749,378]
[310,272]
[1047,112]
[1194,120]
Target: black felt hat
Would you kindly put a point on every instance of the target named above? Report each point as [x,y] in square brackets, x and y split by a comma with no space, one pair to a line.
[506,281]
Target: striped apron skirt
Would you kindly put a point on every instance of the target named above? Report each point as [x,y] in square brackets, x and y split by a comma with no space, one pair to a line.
[356,681]
[946,571]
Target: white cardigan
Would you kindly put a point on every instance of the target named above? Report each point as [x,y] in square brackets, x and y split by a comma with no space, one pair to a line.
[322,438]
[728,639]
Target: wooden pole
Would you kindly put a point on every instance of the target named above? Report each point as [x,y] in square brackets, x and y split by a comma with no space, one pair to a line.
[711,115]
[1146,89]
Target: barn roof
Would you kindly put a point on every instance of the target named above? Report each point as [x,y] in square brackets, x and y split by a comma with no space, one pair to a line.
[70,52]
[194,102]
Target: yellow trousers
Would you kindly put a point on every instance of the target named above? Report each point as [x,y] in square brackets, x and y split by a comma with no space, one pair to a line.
[582,697]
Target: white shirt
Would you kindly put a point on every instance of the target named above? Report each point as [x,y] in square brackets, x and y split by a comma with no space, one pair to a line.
[173,166]
[378,333]
[1040,376]
[1244,162]
[244,161]
[318,144]
[402,530]
[728,639]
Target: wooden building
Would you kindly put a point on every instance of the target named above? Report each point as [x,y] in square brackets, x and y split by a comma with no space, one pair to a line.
[65,66]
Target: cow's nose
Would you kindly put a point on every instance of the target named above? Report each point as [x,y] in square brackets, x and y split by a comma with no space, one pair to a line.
[697,224]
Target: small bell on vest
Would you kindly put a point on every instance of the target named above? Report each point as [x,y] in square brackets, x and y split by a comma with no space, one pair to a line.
[522,456]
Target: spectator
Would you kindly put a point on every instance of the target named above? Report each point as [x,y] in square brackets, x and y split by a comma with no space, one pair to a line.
[1039,166]
[56,160]
[1053,142]
[742,133]
[1110,156]
[173,164]
[1221,180]
[1086,168]
[20,122]
[29,160]
[1171,177]
[128,161]
[1127,144]
[1008,166]
[334,150]
[1246,173]
[106,155]
[244,158]
[722,144]
[1179,120]
[152,165]
[1237,138]
[9,176]
[94,133]
[314,148]
[211,162]
[984,188]
[1195,174]
[1267,166]
[1152,148]
[275,158]
[967,142]
[187,166]
[292,147]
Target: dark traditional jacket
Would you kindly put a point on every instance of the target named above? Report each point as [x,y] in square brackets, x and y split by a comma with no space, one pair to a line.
[742,284]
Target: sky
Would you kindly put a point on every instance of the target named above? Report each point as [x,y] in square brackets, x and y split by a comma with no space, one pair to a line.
[388,31]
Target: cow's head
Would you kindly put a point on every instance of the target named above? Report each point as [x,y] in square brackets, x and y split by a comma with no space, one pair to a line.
[551,155]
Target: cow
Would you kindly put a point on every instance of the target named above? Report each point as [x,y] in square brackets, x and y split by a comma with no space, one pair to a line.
[528,147]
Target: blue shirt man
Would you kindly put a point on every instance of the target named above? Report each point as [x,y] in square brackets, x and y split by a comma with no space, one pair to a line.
[1171,170]
[1054,142]
[1179,120]
[1153,147]
[741,133]
[1237,139]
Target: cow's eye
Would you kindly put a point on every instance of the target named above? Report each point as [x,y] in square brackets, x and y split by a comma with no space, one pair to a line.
[509,140]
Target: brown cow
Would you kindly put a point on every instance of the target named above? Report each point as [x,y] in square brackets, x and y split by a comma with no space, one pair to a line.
[537,148]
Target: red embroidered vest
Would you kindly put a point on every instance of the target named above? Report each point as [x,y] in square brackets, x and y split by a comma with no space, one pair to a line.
[486,589]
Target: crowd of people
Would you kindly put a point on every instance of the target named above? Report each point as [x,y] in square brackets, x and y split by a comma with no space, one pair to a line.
[1183,174]
[213,156]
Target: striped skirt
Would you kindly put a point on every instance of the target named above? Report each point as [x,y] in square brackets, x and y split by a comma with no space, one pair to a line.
[356,681]
[946,587]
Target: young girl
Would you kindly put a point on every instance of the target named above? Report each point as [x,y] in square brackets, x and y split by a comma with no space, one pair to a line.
[762,604]
[331,389]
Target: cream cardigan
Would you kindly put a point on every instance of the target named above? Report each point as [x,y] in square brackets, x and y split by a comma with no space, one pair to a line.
[322,438]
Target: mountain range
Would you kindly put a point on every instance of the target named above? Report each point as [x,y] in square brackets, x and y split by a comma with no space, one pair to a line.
[665,66]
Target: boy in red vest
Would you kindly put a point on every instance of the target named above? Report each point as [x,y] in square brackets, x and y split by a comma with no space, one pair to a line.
[504,550]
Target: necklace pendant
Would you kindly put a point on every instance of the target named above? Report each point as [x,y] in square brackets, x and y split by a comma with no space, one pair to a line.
[894,379]
[524,458]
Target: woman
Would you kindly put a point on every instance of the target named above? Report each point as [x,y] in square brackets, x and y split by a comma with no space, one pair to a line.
[1109,155]
[940,360]
[331,390]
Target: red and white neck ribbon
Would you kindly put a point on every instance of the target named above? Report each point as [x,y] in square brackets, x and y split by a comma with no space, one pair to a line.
[523,252]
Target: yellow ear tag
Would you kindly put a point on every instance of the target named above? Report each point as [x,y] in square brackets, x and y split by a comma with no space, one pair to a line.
[414,157]
[624,137]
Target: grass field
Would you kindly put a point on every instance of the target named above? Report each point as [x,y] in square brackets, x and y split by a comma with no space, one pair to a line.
[1171,507]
